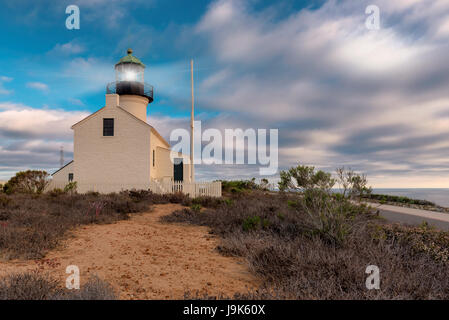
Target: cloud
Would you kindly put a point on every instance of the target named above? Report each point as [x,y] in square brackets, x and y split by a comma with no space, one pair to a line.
[31,138]
[4,79]
[38,86]
[69,48]
[340,94]
[76,102]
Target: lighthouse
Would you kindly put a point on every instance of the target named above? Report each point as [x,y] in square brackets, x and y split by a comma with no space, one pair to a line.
[116,149]
[129,84]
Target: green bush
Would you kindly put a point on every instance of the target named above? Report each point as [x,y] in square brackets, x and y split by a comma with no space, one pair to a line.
[251,223]
[292,203]
[383,198]
[71,187]
[30,181]
[239,186]
[305,177]
[195,207]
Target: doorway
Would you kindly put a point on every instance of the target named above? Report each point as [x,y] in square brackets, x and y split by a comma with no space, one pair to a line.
[178,169]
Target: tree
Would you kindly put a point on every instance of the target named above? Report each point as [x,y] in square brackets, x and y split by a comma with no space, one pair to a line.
[30,181]
[305,177]
[331,214]
[352,185]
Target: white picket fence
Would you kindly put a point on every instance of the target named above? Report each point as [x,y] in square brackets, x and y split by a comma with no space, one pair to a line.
[193,189]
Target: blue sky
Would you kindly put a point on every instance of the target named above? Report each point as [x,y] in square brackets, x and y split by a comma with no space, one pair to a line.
[377,101]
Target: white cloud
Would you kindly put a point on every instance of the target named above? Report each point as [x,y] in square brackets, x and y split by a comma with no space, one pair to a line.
[76,102]
[6,79]
[2,88]
[341,94]
[68,48]
[31,138]
[22,121]
[38,86]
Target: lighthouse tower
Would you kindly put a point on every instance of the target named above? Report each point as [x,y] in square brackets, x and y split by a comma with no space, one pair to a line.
[135,94]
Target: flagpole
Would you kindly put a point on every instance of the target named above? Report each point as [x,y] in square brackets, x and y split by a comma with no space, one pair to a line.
[192,167]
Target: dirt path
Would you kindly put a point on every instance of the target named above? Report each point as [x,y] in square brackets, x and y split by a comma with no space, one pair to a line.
[145,259]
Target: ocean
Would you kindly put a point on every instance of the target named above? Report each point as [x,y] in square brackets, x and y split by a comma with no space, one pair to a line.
[437,196]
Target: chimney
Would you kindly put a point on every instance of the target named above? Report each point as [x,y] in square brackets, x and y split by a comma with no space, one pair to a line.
[112,100]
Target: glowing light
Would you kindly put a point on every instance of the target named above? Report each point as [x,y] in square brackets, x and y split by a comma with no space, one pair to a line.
[130,76]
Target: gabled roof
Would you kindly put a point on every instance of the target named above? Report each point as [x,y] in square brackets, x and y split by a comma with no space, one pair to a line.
[152,128]
[89,116]
[133,116]
[62,168]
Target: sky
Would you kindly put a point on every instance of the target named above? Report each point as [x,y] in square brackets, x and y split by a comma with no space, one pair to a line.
[340,94]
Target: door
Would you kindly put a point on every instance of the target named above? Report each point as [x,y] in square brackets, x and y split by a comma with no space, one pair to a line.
[178,170]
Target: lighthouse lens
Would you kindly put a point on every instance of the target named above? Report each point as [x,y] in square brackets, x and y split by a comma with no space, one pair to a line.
[130,76]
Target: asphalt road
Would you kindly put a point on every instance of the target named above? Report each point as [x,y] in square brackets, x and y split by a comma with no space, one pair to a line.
[411,216]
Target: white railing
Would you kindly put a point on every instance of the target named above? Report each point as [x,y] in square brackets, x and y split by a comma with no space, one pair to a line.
[193,189]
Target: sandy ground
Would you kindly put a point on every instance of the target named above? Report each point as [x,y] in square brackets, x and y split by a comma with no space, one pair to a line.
[146,259]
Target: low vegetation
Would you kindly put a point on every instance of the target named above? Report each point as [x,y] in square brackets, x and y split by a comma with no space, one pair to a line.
[384,198]
[31,224]
[241,186]
[307,244]
[315,244]
[36,286]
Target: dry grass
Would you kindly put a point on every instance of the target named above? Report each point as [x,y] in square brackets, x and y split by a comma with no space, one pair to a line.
[301,253]
[30,225]
[35,286]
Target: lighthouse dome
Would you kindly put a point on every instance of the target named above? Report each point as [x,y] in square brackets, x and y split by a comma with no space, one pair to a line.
[129,58]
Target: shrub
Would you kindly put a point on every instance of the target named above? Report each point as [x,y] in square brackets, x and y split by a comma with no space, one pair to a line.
[30,181]
[383,198]
[207,202]
[35,286]
[55,192]
[94,289]
[28,286]
[305,177]
[353,185]
[251,223]
[70,187]
[195,207]
[294,260]
[240,186]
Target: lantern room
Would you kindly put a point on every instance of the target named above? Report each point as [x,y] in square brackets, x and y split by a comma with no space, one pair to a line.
[129,68]
[129,78]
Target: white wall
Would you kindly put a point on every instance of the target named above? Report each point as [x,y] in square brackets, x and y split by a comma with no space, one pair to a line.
[61,178]
[136,105]
[123,159]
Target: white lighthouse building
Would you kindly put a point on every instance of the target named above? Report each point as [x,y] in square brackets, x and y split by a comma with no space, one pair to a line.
[115,148]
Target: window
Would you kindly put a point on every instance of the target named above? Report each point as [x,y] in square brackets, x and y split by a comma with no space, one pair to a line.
[153,158]
[108,127]
[70,177]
